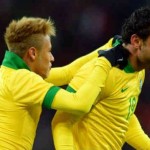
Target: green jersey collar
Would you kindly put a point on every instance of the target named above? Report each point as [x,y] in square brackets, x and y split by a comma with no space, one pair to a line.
[13,61]
[129,68]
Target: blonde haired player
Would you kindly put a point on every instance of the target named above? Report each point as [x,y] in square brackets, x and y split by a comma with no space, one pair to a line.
[23,91]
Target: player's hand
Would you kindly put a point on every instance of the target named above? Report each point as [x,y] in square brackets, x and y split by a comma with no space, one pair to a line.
[117,56]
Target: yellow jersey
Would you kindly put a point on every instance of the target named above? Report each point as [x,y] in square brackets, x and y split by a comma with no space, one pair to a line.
[104,127]
[109,123]
[20,103]
[23,92]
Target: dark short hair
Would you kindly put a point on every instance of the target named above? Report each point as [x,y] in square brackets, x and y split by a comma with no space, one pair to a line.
[138,23]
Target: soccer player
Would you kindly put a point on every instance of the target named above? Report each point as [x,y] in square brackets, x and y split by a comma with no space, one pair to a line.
[23,90]
[111,121]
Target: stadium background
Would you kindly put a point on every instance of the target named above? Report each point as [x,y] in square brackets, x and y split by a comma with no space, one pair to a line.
[82,26]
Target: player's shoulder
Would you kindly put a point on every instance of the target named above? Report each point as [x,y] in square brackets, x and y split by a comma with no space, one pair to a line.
[26,75]
[23,72]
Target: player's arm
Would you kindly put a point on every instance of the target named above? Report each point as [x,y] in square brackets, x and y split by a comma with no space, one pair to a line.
[62,75]
[33,90]
[93,84]
[79,102]
[135,135]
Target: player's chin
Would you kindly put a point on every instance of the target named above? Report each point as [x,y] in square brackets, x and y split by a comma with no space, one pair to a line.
[46,73]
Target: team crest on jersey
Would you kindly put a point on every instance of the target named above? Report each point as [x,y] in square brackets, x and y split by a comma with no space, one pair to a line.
[141,84]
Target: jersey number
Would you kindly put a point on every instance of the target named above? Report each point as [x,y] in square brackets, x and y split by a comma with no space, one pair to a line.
[132,106]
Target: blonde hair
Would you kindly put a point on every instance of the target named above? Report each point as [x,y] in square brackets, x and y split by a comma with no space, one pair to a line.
[27,32]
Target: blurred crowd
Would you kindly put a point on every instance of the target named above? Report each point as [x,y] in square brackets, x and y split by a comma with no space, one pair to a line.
[81,26]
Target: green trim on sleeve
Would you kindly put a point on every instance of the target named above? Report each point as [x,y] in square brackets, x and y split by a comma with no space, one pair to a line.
[50,96]
[70,89]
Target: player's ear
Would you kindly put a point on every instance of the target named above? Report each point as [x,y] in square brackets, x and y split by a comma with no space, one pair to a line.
[135,41]
[32,53]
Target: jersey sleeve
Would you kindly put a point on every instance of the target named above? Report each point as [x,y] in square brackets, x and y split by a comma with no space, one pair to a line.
[135,136]
[62,75]
[79,101]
